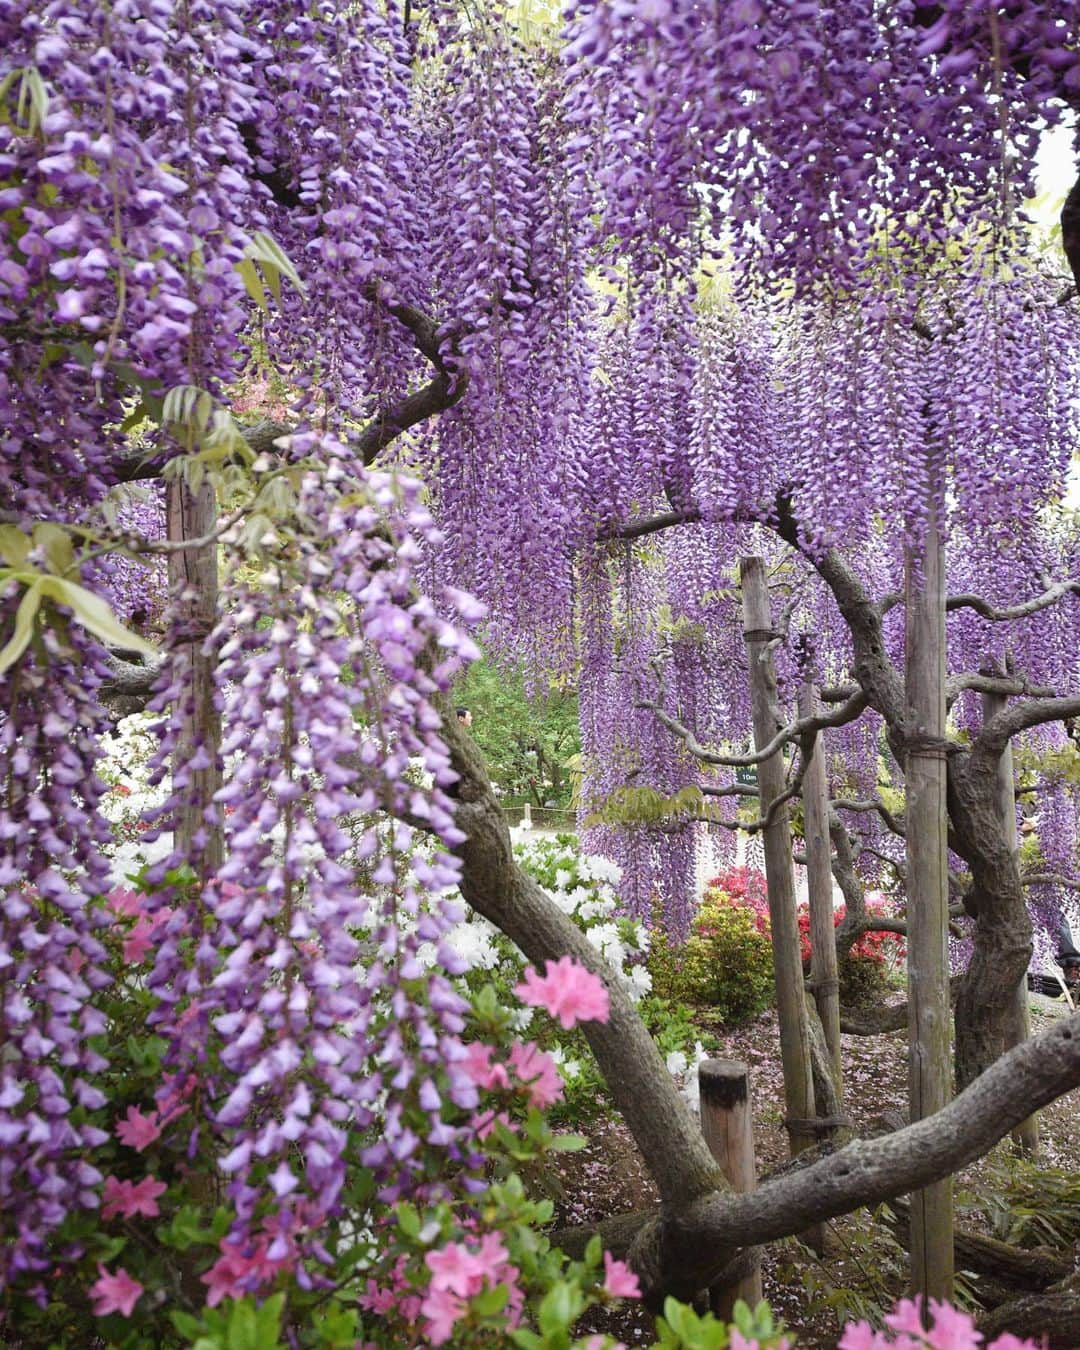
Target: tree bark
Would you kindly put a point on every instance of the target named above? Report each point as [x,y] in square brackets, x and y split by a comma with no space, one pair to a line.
[790,1000]
[193,582]
[1052,1320]
[930,1069]
[1018,1025]
[824,977]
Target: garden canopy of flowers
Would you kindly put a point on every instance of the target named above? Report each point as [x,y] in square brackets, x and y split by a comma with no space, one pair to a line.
[713,363]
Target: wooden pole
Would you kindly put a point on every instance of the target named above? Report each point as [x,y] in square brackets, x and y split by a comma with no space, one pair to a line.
[824,978]
[930,1071]
[728,1126]
[193,583]
[1018,1028]
[779,868]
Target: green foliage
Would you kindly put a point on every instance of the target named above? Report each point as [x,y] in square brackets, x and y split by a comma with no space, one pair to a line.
[863,979]
[726,965]
[681,1328]
[526,740]
[585,889]
[864,1286]
[1027,1204]
[54,546]
[643,805]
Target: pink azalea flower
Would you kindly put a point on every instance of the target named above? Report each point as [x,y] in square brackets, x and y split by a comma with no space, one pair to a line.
[1007,1341]
[952,1329]
[124,901]
[477,1064]
[139,941]
[442,1310]
[536,1071]
[376,1300]
[568,991]
[906,1316]
[129,1199]
[861,1336]
[138,1131]
[454,1268]
[115,1293]
[484,1123]
[619,1280]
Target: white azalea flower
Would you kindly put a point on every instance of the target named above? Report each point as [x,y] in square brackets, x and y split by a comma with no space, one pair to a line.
[677,1063]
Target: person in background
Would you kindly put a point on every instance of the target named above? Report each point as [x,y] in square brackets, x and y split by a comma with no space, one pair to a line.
[1068,958]
[464,716]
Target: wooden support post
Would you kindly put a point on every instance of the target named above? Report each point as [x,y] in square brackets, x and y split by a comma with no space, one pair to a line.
[779,867]
[728,1126]
[193,583]
[930,1071]
[1026,1136]
[824,978]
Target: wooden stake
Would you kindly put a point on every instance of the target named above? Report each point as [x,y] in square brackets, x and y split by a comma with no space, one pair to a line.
[779,868]
[930,1071]
[1026,1136]
[728,1126]
[824,978]
[193,583]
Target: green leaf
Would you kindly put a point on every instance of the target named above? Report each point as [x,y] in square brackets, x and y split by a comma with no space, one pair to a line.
[95,614]
[249,275]
[24,625]
[490,1302]
[187,1325]
[268,1320]
[243,1328]
[55,542]
[560,1306]
[14,545]
[409,1221]
[567,1143]
[274,261]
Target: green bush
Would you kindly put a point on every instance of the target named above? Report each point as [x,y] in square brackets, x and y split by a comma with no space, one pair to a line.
[863,979]
[725,965]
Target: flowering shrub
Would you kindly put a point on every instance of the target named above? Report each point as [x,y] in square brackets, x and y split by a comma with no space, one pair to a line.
[864,970]
[158,1260]
[726,963]
[584,888]
[949,1329]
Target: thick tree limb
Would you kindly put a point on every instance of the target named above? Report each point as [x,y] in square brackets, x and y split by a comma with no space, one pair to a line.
[1006,614]
[1000,729]
[1050,1319]
[1025,1079]
[794,731]
[1050,879]
[879,1021]
[872,804]
[982,683]
[680,1250]
[492,883]
[1013,1265]
[446,388]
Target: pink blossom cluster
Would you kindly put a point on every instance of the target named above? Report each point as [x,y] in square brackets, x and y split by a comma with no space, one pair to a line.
[566,990]
[949,1329]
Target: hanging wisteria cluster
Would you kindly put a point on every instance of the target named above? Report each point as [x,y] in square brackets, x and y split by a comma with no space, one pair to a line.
[308,1041]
